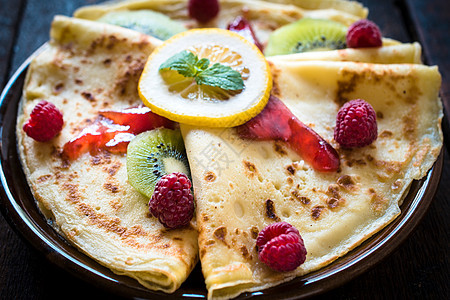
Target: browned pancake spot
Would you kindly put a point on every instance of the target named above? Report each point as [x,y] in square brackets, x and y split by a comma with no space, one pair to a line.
[58,88]
[333,191]
[111,187]
[276,91]
[270,211]
[317,211]
[220,233]
[332,203]
[302,199]
[385,134]
[254,231]
[279,148]
[378,202]
[290,181]
[250,168]
[112,170]
[347,182]
[291,169]
[210,176]
[245,252]
[130,76]
[409,127]
[107,62]
[43,178]
[88,96]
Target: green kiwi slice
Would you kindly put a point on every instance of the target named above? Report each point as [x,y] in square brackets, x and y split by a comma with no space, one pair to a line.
[153,154]
[307,35]
[145,21]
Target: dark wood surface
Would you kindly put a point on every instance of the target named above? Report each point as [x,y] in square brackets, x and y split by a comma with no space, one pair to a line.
[418,269]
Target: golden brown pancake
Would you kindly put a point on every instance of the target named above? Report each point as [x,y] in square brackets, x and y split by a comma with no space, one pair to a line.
[241,186]
[87,67]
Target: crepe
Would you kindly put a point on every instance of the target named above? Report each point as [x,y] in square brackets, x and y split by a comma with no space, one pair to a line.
[393,53]
[264,16]
[241,186]
[87,67]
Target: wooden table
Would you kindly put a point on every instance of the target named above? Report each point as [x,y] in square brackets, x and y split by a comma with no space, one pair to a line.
[418,269]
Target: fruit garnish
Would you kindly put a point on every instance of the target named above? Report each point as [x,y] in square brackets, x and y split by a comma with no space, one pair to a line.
[356,124]
[364,34]
[243,27]
[276,122]
[281,247]
[181,99]
[203,10]
[189,65]
[153,154]
[139,119]
[113,130]
[172,201]
[307,35]
[45,122]
[145,21]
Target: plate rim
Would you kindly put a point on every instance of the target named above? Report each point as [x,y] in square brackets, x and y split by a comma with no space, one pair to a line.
[311,284]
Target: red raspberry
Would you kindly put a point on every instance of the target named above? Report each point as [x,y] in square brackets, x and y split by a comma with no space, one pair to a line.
[45,122]
[281,247]
[172,201]
[356,124]
[363,34]
[203,10]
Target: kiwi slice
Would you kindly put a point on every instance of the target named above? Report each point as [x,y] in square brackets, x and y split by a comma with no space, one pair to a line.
[145,21]
[153,154]
[307,35]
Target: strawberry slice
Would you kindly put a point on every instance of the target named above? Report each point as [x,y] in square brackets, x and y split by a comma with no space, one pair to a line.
[272,123]
[113,131]
[312,147]
[242,26]
[276,122]
[139,118]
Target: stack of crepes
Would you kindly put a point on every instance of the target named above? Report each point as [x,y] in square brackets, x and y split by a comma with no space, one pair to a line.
[240,186]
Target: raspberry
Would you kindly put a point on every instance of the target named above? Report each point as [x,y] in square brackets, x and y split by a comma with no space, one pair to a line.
[356,124]
[172,201]
[362,34]
[281,247]
[203,10]
[45,122]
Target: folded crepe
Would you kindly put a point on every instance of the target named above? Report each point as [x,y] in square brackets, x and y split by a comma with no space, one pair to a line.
[264,16]
[241,186]
[87,67]
[90,66]
[392,53]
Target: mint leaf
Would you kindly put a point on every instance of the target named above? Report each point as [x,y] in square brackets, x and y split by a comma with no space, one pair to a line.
[221,76]
[183,62]
[187,64]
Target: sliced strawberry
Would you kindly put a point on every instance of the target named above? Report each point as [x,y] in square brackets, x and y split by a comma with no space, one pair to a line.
[312,147]
[276,122]
[272,123]
[243,27]
[114,130]
[139,118]
[93,139]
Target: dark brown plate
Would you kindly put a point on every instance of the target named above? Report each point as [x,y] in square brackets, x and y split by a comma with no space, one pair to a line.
[19,209]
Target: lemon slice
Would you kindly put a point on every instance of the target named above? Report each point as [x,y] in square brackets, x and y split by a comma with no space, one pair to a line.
[181,99]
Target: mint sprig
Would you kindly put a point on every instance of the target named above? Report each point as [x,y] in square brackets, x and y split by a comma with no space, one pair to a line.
[188,64]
